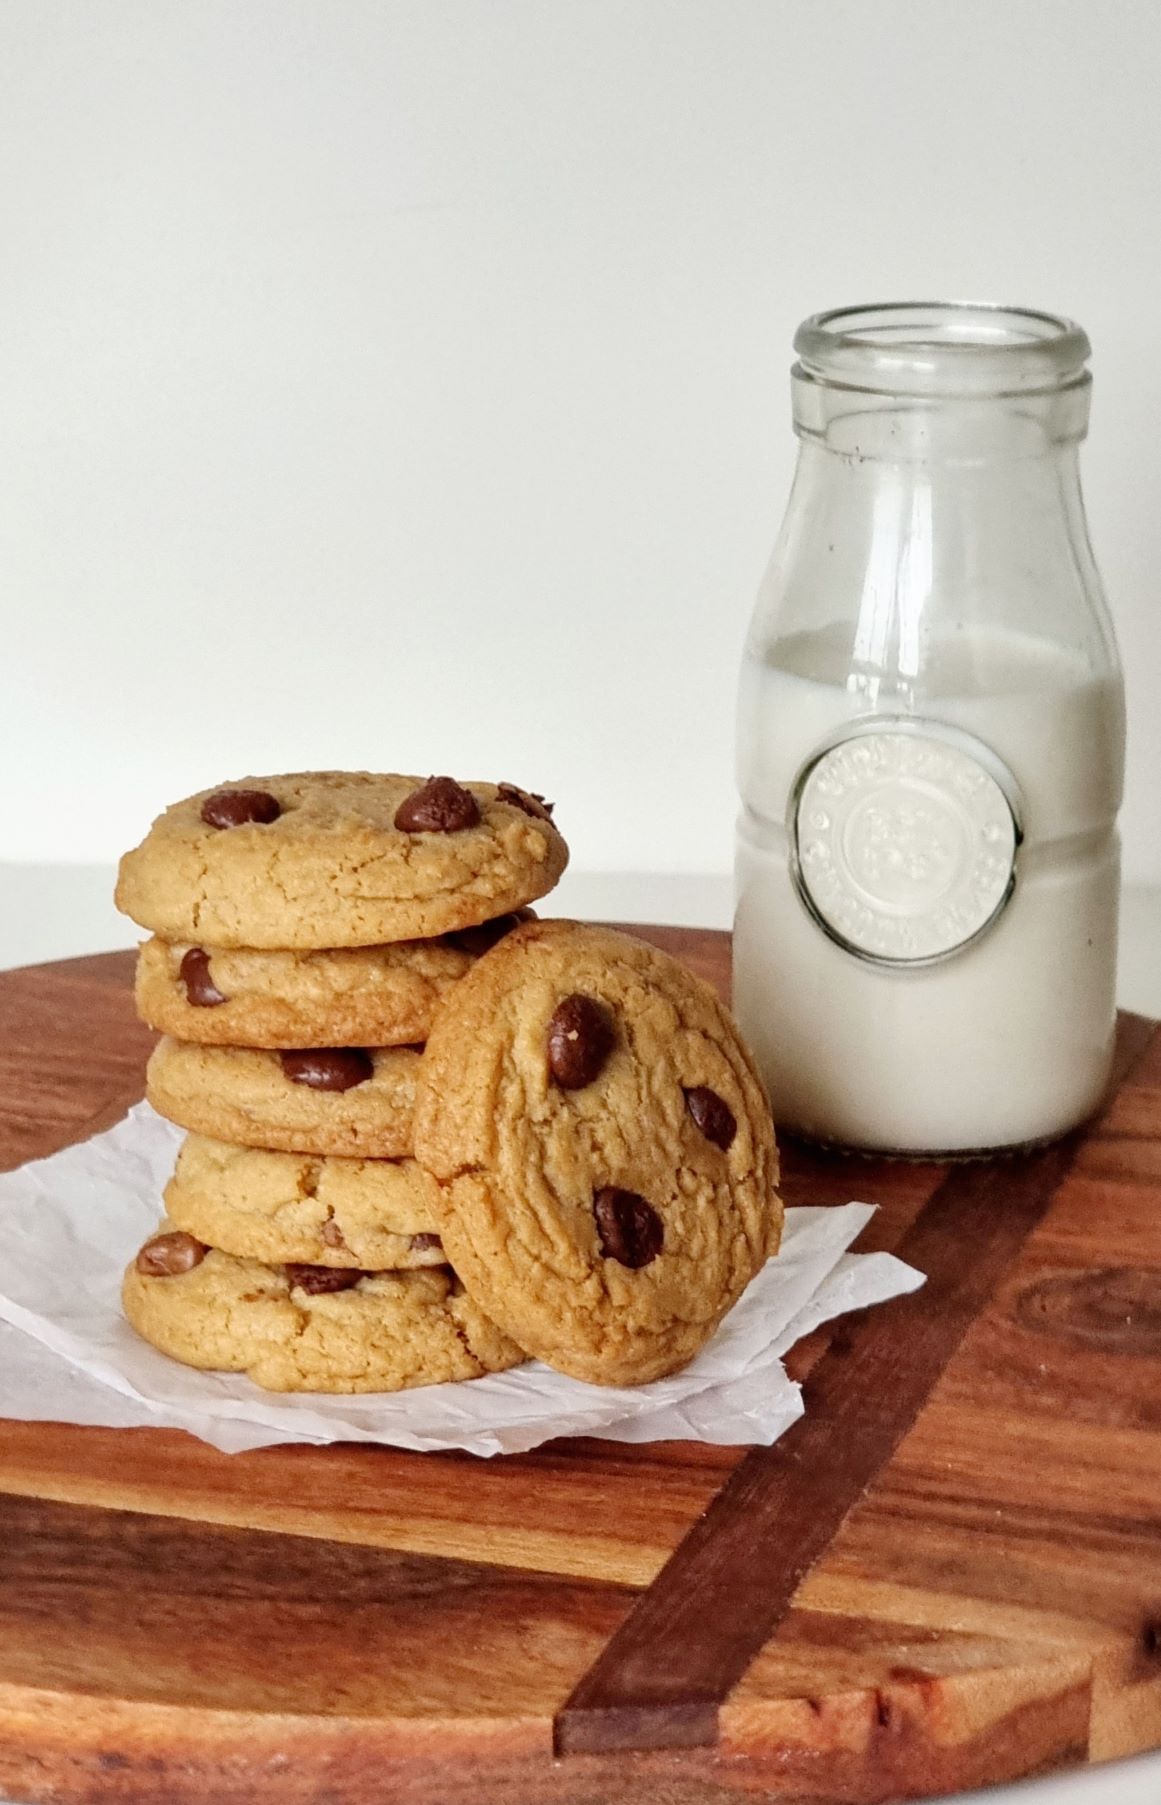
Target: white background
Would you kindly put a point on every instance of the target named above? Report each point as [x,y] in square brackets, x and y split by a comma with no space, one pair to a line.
[404,385]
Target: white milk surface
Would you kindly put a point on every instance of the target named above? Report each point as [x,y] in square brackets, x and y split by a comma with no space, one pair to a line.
[1004,1042]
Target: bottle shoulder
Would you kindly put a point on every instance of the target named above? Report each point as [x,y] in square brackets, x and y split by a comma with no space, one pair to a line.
[898,574]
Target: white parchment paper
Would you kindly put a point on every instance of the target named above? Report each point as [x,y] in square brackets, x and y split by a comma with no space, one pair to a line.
[70,1224]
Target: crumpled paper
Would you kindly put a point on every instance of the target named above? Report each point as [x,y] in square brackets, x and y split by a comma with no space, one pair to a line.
[71,1223]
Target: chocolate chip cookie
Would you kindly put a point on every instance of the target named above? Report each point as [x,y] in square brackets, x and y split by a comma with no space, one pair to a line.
[352,1101]
[360,996]
[327,859]
[377,1214]
[604,1150]
[305,1328]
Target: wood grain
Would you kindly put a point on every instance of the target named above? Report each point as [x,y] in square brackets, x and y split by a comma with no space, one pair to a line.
[581,1508]
[972,1591]
[215,1620]
[662,1679]
[73,1053]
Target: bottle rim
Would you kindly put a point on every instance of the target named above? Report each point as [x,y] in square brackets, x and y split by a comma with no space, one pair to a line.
[942,348]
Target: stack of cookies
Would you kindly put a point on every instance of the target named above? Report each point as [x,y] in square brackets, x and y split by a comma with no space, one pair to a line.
[428,1133]
[306,930]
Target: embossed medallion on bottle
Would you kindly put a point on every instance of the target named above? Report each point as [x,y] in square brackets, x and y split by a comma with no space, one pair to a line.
[905,843]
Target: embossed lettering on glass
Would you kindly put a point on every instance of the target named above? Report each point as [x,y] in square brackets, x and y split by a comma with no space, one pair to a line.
[930,744]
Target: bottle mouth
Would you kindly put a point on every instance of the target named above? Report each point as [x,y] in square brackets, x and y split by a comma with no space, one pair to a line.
[950,348]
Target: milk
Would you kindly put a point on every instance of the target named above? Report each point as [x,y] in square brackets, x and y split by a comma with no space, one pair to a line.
[1006,1041]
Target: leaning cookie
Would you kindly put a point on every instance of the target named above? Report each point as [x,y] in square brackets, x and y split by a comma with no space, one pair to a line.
[350,1101]
[308,1328]
[339,858]
[604,1148]
[359,996]
[376,1214]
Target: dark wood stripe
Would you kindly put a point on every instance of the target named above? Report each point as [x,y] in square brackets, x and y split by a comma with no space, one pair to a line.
[661,1679]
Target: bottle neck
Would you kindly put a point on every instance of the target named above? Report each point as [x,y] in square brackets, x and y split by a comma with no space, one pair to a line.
[940,430]
[936,515]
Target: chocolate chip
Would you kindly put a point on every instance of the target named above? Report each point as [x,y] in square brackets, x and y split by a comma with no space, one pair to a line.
[486,934]
[529,800]
[629,1229]
[166,1256]
[422,1243]
[194,971]
[234,808]
[712,1114]
[580,1039]
[332,1234]
[328,1068]
[440,806]
[317,1281]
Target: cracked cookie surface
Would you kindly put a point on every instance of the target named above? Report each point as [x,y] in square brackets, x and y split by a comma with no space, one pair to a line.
[388,1332]
[370,1214]
[364,996]
[604,1150]
[243,1095]
[331,869]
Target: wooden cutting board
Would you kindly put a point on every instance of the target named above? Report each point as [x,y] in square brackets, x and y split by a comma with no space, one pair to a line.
[948,1573]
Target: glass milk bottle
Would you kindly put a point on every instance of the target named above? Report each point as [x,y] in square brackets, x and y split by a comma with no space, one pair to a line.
[931,744]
